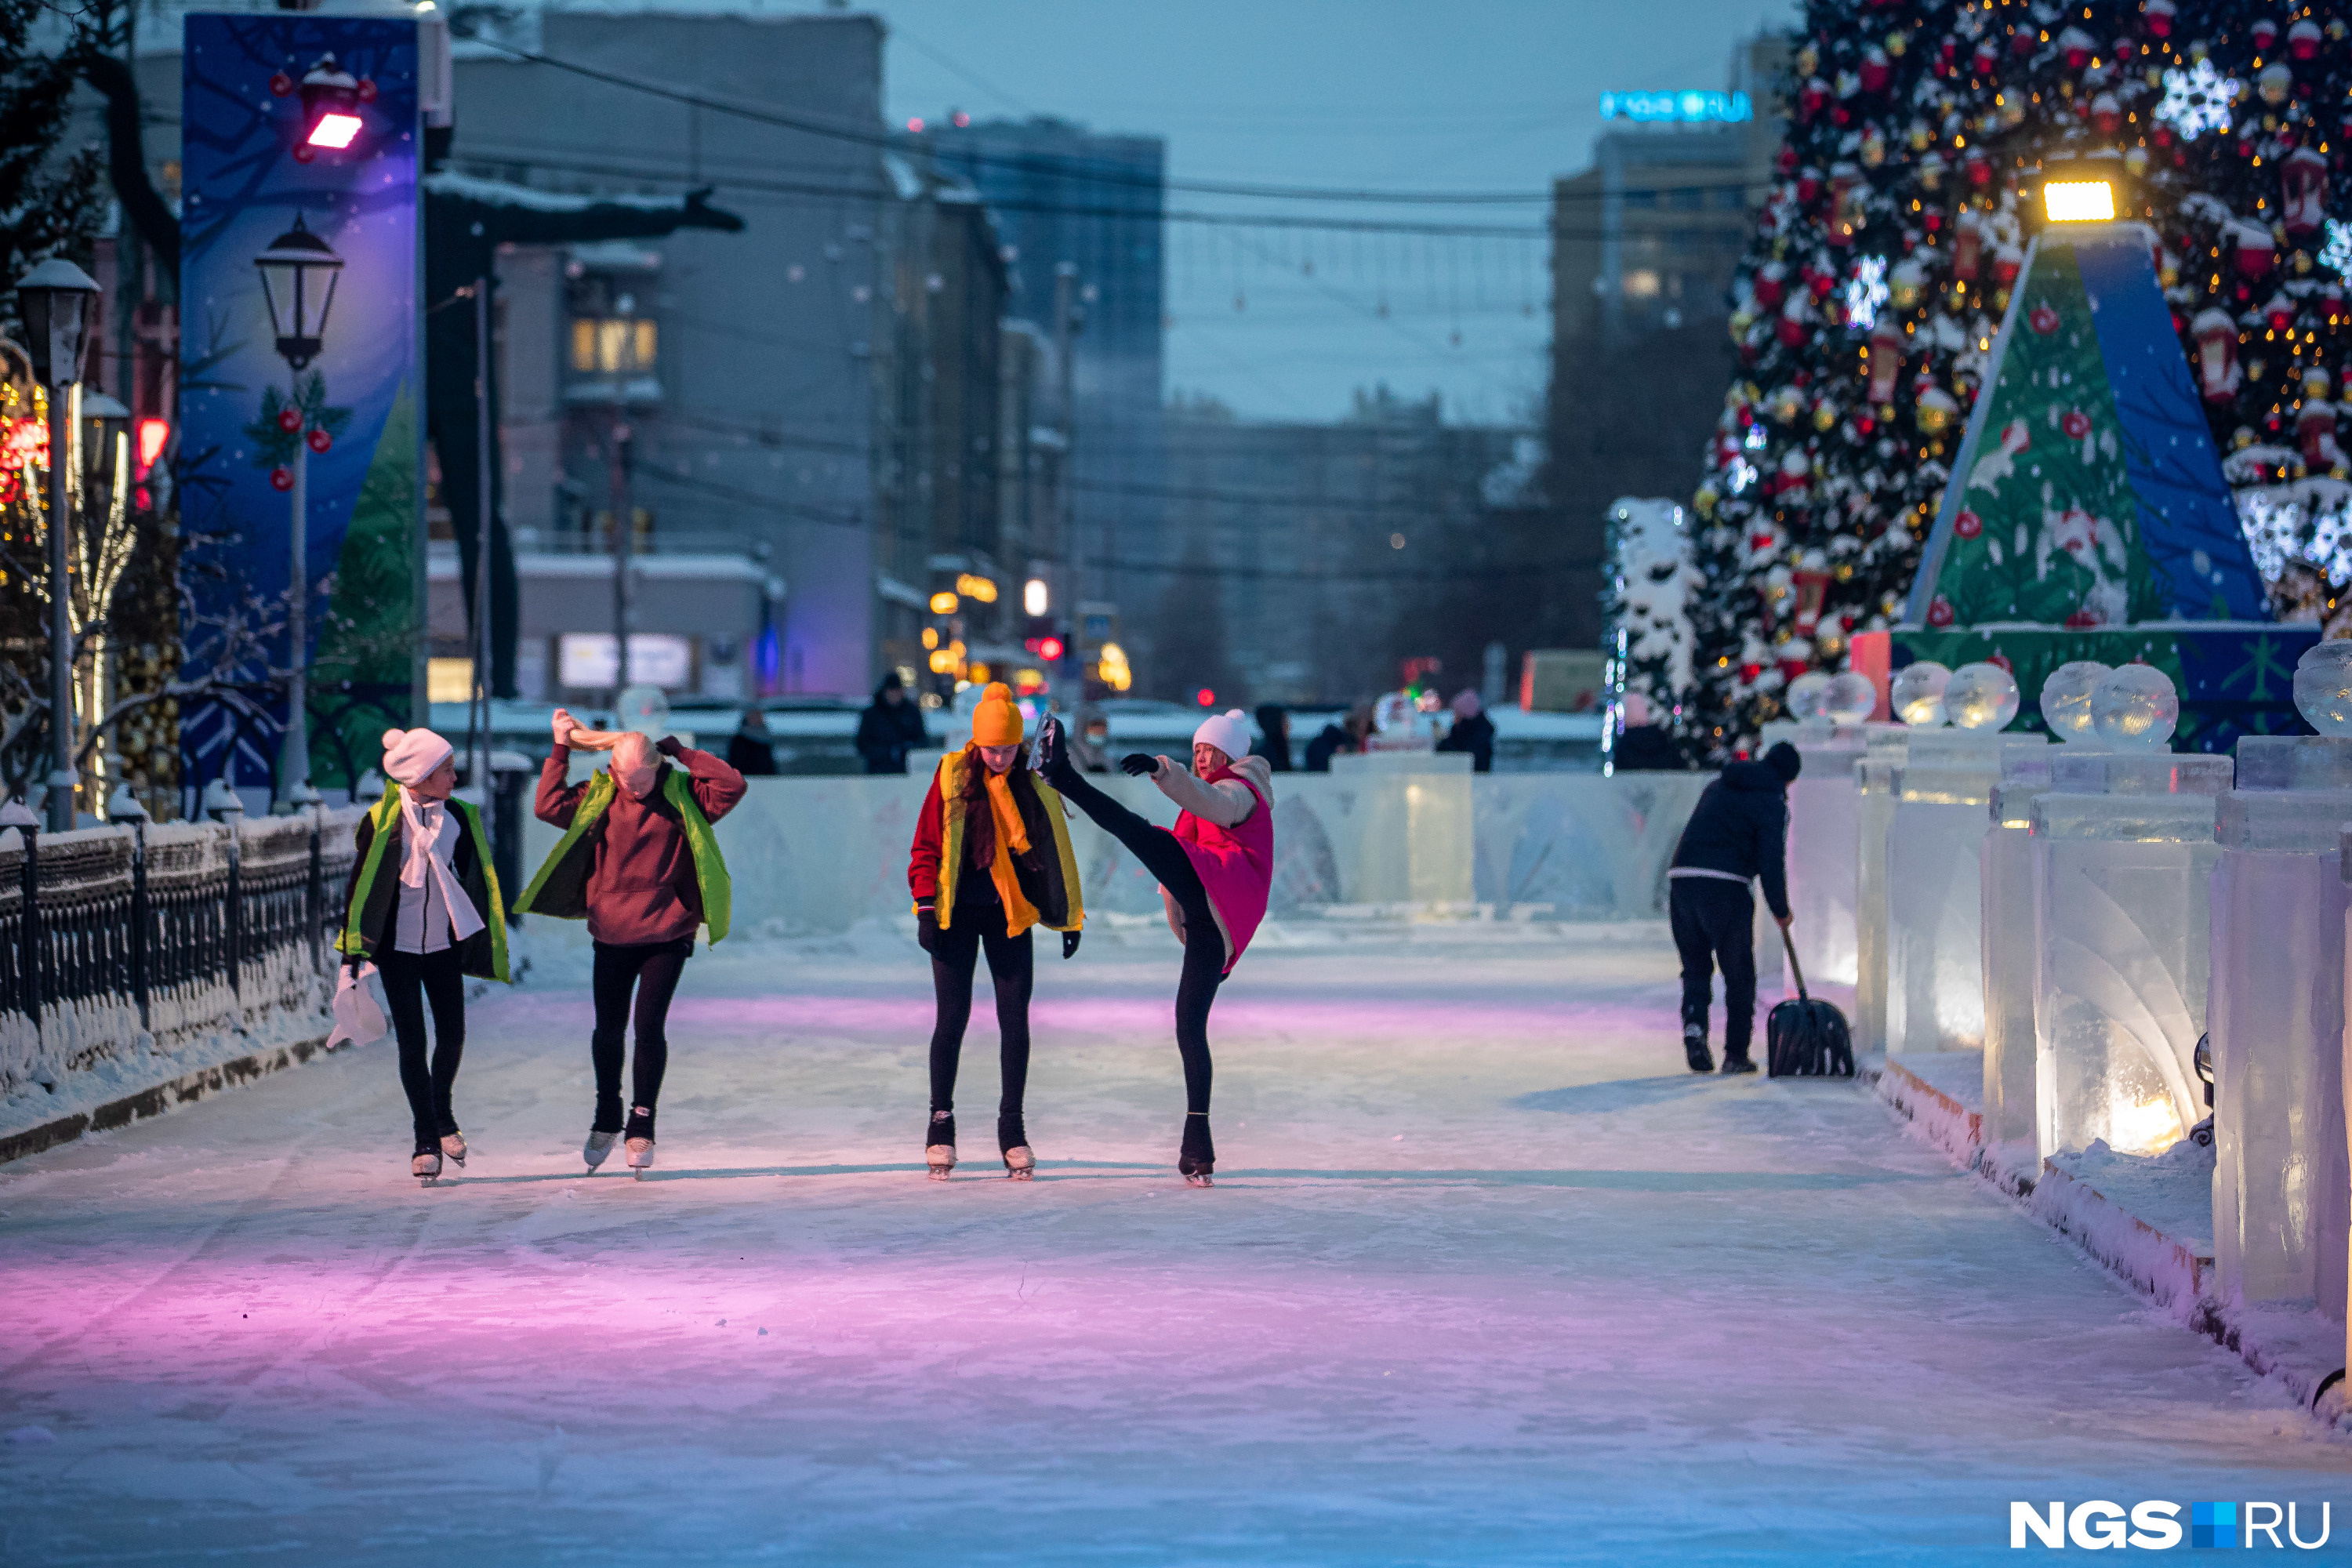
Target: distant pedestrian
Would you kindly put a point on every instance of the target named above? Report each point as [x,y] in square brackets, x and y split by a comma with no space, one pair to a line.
[891,728]
[1737,831]
[1274,737]
[751,751]
[423,905]
[1090,747]
[1472,732]
[1344,738]
[1645,746]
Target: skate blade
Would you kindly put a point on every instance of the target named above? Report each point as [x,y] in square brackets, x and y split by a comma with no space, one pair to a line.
[941,1172]
[1021,1176]
[1199,1178]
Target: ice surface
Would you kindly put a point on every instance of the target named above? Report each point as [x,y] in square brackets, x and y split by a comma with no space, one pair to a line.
[2295,761]
[1823,830]
[1917,693]
[1878,781]
[2136,706]
[2067,699]
[1981,697]
[1486,1277]
[2323,686]
[2283,1187]
[2120,966]
[2303,820]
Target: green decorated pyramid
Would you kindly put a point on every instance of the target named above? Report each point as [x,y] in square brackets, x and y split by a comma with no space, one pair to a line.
[2087,516]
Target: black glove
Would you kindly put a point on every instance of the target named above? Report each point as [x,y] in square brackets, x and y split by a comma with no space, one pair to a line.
[1070,942]
[927,928]
[1135,764]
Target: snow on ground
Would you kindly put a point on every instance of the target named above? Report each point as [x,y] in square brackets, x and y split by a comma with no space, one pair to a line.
[1486,1277]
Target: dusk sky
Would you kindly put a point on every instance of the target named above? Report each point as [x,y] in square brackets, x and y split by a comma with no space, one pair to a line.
[1486,96]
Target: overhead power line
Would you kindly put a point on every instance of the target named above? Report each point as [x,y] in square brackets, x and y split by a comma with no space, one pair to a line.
[1093,171]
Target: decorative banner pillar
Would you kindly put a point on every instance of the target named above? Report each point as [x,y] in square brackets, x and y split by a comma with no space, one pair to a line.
[302,460]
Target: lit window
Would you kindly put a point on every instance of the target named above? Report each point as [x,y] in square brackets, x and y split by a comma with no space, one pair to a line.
[1641,283]
[613,345]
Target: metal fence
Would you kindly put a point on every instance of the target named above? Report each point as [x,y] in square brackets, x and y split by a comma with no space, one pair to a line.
[115,941]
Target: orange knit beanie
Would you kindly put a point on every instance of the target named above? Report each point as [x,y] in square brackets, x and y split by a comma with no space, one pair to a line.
[997,721]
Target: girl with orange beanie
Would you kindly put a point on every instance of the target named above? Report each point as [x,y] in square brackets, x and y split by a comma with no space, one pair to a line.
[992,859]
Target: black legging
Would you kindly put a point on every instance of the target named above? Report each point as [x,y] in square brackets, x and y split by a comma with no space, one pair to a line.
[1163,855]
[410,981]
[979,922]
[653,970]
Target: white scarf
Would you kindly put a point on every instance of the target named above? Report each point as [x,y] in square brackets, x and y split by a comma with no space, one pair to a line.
[428,835]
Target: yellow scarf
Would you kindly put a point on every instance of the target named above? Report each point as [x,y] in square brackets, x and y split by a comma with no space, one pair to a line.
[1011,837]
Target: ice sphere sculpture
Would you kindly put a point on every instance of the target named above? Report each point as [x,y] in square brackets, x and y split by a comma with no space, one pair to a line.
[2067,699]
[2323,686]
[2136,708]
[1850,700]
[1807,695]
[1981,697]
[1917,694]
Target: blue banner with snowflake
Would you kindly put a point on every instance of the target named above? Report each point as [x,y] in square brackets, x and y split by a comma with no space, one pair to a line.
[299,343]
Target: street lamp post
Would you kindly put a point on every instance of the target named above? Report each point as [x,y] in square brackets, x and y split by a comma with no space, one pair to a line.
[55,299]
[299,272]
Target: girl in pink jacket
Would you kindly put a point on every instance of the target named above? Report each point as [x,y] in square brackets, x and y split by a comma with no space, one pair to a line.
[1215,870]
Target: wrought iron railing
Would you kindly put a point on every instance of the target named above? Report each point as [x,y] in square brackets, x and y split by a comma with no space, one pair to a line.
[120,940]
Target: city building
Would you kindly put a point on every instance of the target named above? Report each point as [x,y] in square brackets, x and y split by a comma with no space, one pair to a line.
[1080,213]
[1306,563]
[1643,246]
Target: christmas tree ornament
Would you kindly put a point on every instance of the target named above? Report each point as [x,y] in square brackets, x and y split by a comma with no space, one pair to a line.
[1876,71]
[2136,161]
[1987,59]
[2106,114]
[2323,687]
[2314,433]
[1897,43]
[2315,381]
[1825,416]
[1916,694]
[2006,261]
[1981,697]
[1885,358]
[1934,412]
[2274,84]
[2076,46]
[2264,33]
[2066,698]
[2136,708]
[2279,314]
[2157,16]
[1968,247]
[2250,247]
[2302,191]
[2303,40]
[2218,377]
[1931,175]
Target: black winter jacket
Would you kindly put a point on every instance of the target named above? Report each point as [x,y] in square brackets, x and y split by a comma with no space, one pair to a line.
[1741,826]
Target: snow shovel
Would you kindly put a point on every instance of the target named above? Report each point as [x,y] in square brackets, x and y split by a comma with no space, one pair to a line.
[1805,1038]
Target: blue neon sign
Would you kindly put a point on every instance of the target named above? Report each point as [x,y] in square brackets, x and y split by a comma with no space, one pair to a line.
[1722,107]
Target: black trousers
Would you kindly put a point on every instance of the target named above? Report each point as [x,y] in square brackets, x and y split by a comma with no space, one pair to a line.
[1163,855]
[651,970]
[1714,922]
[411,980]
[976,923]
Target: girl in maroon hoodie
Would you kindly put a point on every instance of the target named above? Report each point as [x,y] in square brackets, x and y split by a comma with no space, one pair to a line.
[638,861]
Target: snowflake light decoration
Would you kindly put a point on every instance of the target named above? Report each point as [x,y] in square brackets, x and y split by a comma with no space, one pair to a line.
[1864,292]
[2197,98]
[2336,254]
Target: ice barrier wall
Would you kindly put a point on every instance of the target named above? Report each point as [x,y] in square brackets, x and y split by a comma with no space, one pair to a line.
[2005,872]
[810,855]
[2123,851]
[2282,1188]
[1878,778]
[1824,831]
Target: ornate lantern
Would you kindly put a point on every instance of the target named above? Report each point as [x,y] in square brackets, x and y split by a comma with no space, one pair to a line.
[299,272]
[2302,191]
[2218,377]
[1885,358]
[2315,432]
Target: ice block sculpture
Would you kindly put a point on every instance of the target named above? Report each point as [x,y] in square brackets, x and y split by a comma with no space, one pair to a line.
[1877,777]
[1824,833]
[2123,851]
[1935,974]
[2005,874]
[2283,1178]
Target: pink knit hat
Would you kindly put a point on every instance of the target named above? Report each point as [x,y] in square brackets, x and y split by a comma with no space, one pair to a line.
[411,756]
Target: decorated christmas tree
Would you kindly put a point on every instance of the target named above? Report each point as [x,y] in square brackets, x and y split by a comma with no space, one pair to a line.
[1878,279]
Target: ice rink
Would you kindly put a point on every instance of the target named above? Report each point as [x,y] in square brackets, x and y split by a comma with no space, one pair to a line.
[1486,1277]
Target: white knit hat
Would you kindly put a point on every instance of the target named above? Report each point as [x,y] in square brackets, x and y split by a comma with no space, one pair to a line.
[411,756]
[1229,731]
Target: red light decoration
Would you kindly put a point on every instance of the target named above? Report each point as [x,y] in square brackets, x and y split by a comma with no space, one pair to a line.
[154,434]
[1050,650]
[1205,698]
